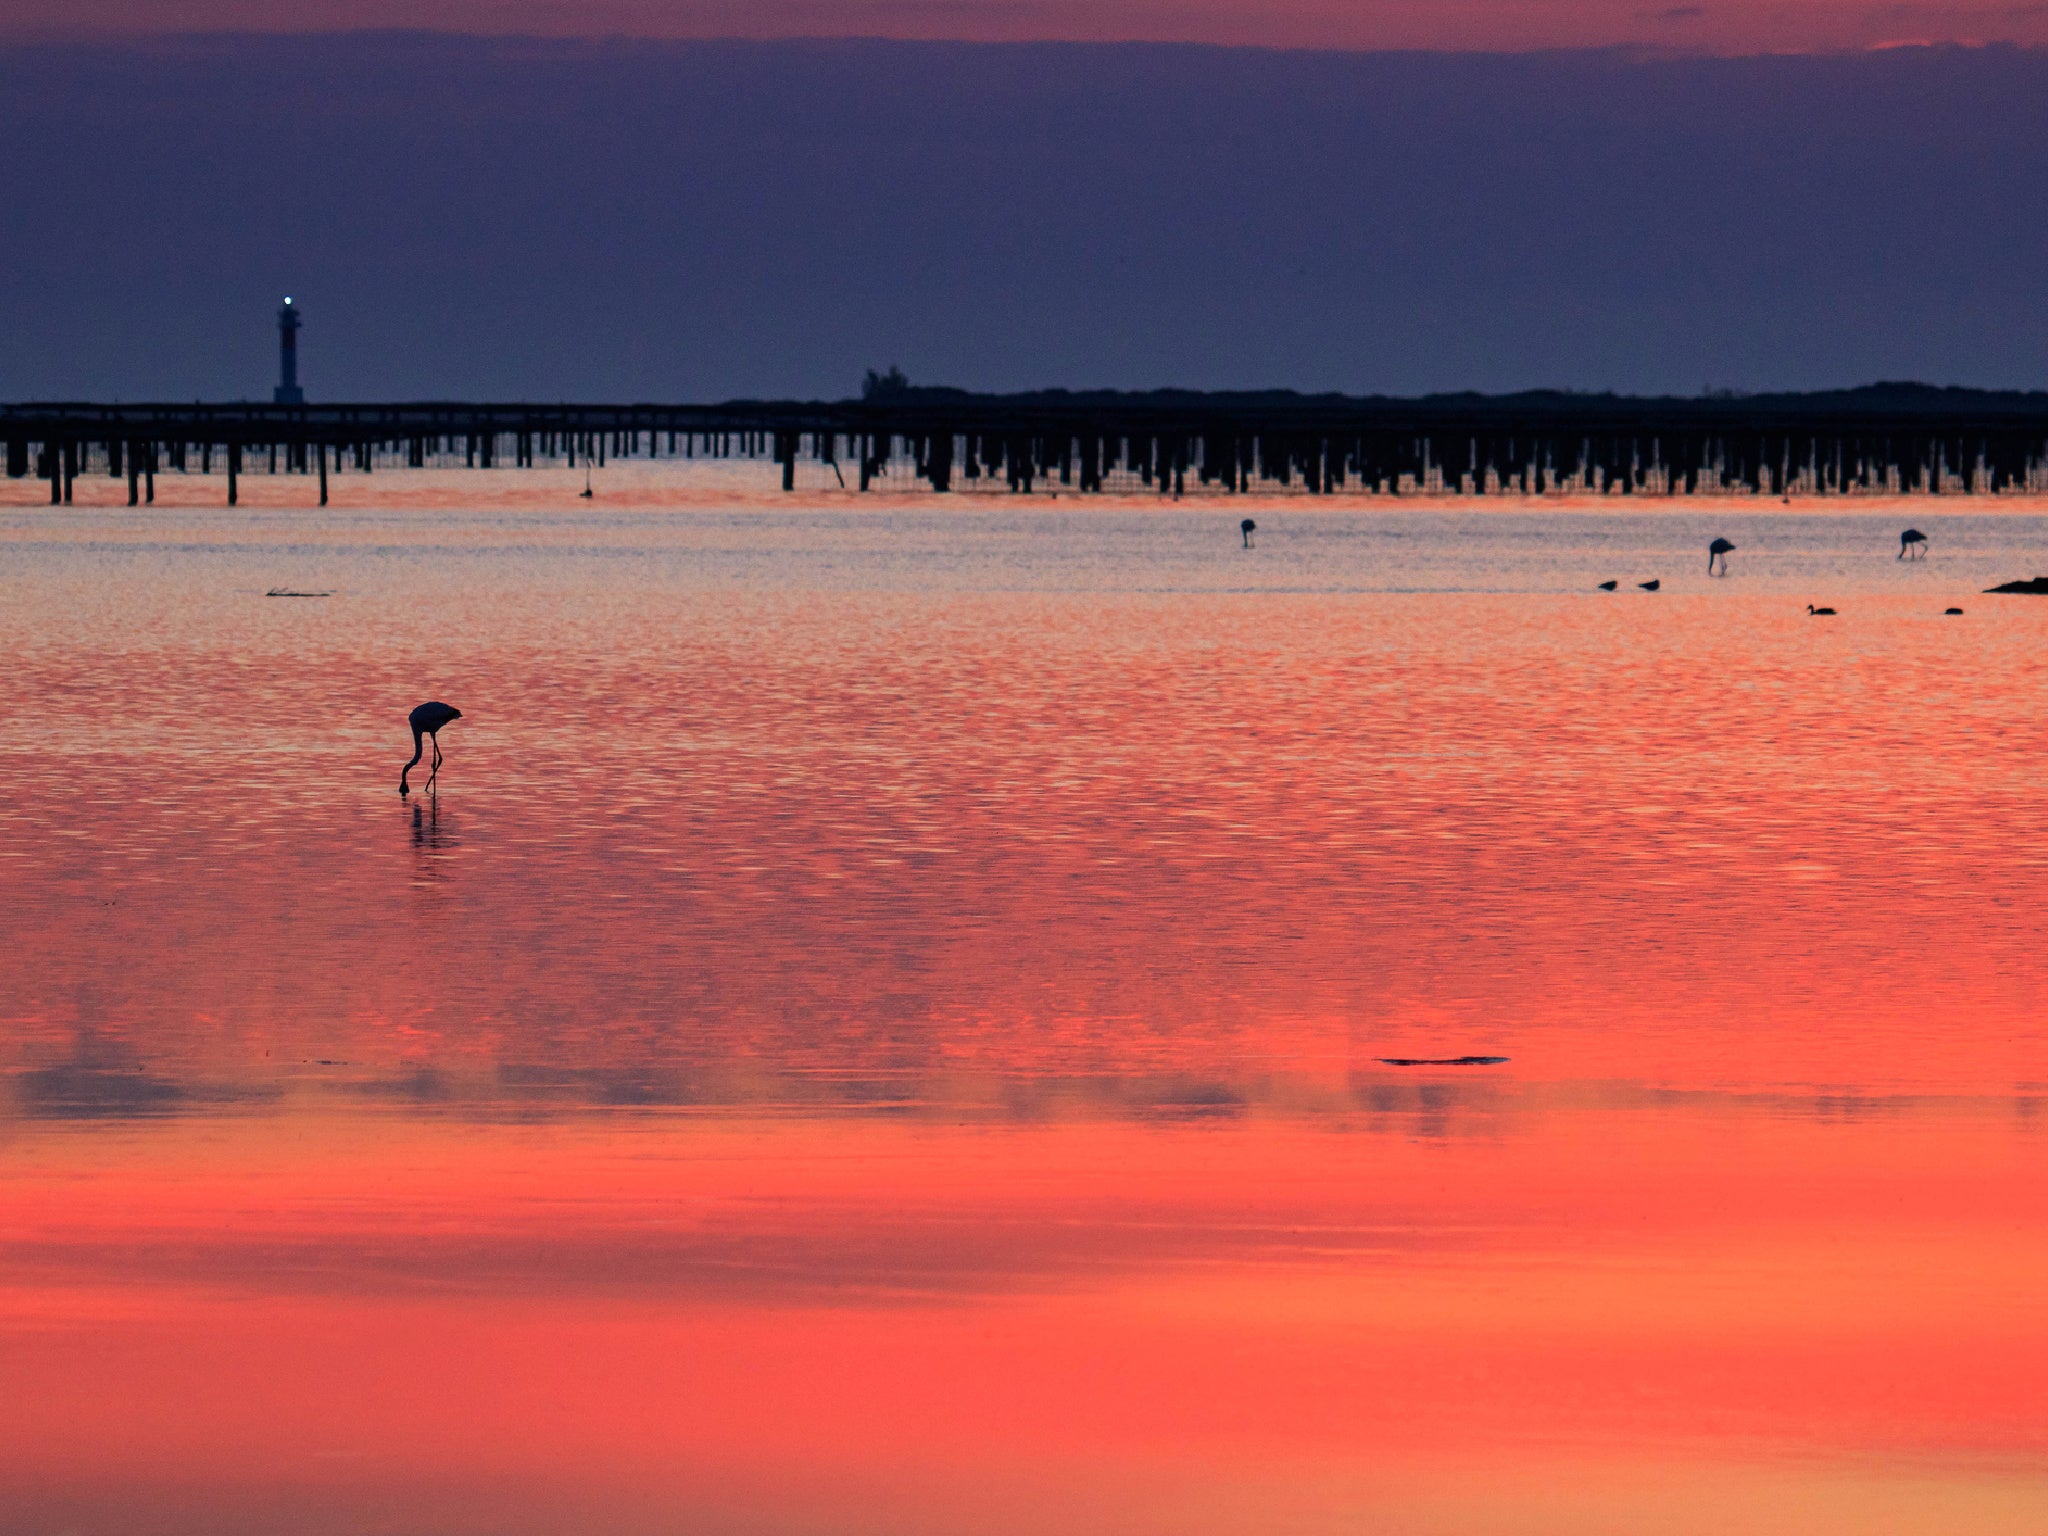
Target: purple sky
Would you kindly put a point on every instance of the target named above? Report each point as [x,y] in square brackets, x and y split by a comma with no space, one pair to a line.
[637,219]
[1725,26]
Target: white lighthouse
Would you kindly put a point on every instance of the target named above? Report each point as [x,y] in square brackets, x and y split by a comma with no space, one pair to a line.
[288,391]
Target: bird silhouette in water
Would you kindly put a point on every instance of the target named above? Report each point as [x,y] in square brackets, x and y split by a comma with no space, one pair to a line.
[1609,586]
[426,721]
[1247,528]
[1649,586]
[1952,613]
[1820,613]
[1912,544]
[1718,550]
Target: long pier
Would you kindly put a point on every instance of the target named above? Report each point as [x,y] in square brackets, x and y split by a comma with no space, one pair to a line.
[1897,439]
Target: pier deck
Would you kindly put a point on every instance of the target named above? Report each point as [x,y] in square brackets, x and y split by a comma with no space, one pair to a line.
[1885,438]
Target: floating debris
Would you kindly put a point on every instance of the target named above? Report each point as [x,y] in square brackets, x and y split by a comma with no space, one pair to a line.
[1442,1061]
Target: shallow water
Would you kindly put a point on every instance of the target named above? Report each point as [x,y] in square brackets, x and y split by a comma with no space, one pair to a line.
[883,1024]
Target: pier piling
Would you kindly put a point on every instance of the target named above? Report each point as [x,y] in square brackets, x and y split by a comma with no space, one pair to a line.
[1883,440]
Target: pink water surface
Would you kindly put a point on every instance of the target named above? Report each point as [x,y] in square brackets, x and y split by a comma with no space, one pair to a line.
[881,1026]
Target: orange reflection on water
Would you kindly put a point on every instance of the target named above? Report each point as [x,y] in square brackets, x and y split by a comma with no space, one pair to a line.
[641,1317]
[884,1026]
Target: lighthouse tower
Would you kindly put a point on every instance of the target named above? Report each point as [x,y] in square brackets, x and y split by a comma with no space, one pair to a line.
[288,391]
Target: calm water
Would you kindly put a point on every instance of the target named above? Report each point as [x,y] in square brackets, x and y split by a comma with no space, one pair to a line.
[882,1027]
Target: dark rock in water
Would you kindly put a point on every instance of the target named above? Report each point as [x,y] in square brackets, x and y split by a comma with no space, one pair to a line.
[1442,1061]
[2036,586]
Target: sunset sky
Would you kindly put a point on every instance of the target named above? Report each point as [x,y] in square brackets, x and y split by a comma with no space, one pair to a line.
[645,219]
[1746,26]
[710,199]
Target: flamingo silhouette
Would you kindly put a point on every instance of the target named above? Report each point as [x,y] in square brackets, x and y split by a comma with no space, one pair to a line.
[1718,550]
[1916,541]
[1649,586]
[426,720]
[1247,528]
[1609,586]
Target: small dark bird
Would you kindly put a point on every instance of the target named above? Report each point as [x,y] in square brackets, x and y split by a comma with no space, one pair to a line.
[585,493]
[427,721]
[1649,586]
[1718,550]
[1247,528]
[1951,612]
[1912,544]
[1820,613]
[1609,586]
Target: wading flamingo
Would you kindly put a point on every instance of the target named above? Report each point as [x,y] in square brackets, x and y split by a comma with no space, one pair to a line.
[426,721]
[1718,550]
[1247,528]
[1912,544]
